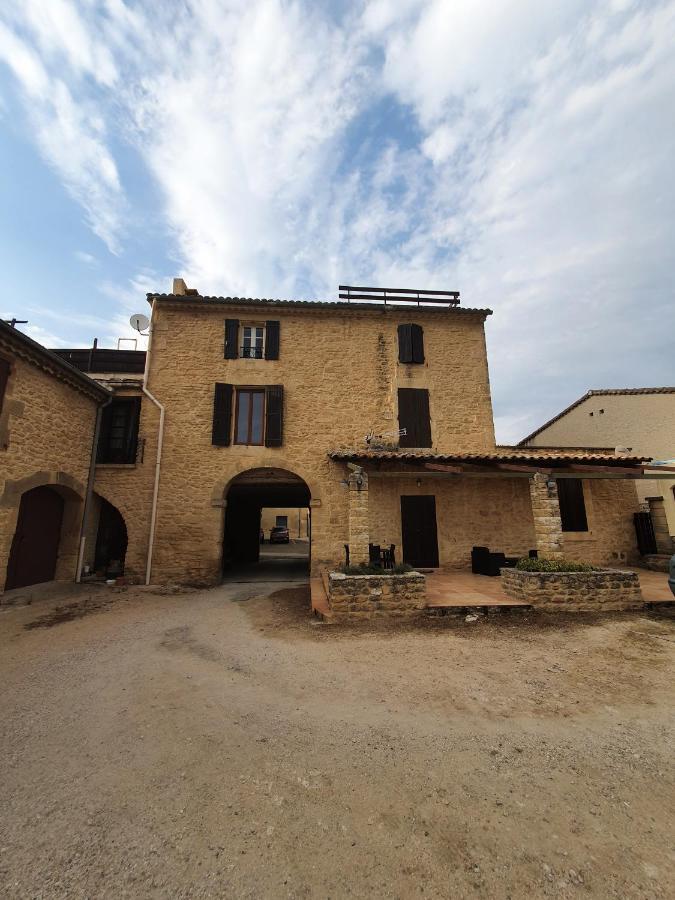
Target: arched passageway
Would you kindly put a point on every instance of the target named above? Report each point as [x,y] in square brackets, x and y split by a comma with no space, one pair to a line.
[111,540]
[35,547]
[244,553]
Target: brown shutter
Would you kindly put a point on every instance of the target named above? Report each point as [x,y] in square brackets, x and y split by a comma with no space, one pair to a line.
[222,415]
[271,340]
[413,415]
[274,415]
[231,338]
[405,349]
[4,378]
[417,341]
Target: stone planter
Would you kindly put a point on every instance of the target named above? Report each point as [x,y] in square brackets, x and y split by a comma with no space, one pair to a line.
[376,596]
[604,590]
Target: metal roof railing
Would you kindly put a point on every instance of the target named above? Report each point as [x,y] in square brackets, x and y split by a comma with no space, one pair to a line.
[393,296]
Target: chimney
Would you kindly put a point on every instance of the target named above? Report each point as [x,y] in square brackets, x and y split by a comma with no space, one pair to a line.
[181,289]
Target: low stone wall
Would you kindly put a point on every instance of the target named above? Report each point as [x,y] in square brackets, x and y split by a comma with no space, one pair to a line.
[604,590]
[376,596]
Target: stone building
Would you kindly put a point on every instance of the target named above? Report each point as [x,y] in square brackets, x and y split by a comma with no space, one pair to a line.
[641,419]
[48,414]
[373,414]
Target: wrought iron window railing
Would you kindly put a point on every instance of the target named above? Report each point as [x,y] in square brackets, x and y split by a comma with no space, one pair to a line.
[252,352]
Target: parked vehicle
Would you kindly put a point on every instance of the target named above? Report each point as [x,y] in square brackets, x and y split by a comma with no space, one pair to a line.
[279,535]
[671,580]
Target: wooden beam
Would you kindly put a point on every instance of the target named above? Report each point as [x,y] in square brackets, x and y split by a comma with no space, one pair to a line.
[438,467]
[615,470]
[530,469]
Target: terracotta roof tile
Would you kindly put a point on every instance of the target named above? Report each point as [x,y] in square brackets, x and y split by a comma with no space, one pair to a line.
[501,454]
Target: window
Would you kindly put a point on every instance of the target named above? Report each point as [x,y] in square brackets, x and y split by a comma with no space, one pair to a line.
[410,344]
[413,415]
[250,417]
[4,378]
[119,431]
[281,521]
[572,506]
[253,341]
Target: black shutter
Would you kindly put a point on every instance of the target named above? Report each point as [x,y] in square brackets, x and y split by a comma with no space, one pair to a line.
[274,415]
[417,336]
[572,506]
[413,415]
[405,347]
[271,340]
[231,338]
[133,420]
[4,378]
[222,415]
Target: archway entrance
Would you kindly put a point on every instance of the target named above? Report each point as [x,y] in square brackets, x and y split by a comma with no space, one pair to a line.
[250,551]
[111,540]
[35,546]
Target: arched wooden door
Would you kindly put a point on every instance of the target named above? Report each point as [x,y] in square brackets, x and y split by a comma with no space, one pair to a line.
[35,547]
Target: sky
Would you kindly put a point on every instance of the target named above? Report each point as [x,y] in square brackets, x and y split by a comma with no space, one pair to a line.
[520,152]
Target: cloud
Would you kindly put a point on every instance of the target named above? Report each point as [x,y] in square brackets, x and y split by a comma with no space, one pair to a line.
[522,155]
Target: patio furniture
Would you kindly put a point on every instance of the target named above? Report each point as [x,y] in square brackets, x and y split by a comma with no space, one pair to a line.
[486,562]
[382,556]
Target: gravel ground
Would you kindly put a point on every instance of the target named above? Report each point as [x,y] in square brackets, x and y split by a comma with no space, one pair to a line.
[221,744]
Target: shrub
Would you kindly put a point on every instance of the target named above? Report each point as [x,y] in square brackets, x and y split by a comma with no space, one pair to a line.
[372,569]
[553,565]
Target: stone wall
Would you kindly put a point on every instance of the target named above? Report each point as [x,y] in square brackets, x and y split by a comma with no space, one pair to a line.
[340,373]
[610,539]
[129,488]
[376,596]
[46,433]
[601,591]
[470,511]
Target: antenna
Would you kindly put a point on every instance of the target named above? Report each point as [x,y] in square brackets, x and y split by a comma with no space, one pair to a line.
[139,322]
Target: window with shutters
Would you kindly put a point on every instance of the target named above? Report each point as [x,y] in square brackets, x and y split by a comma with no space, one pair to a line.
[249,427]
[572,505]
[118,438]
[413,416]
[410,344]
[253,342]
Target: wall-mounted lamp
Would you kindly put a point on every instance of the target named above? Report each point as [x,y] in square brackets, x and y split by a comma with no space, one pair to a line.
[419,482]
[550,484]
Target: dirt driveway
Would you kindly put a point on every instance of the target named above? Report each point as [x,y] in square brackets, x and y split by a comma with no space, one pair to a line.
[219,744]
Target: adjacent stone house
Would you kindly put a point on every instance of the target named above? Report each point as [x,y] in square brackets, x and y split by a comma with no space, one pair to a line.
[640,419]
[373,414]
[48,414]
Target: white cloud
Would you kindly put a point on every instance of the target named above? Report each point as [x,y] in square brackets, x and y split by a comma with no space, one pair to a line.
[521,154]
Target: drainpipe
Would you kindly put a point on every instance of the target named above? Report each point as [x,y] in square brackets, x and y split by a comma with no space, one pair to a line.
[90,489]
[160,441]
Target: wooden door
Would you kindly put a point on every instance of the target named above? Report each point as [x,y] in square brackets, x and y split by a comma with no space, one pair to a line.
[35,547]
[418,531]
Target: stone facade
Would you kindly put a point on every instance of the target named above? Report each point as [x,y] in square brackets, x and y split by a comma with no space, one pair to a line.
[376,596]
[602,591]
[340,374]
[46,434]
[546,517]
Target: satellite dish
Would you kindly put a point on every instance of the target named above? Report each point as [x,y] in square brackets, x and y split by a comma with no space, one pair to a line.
[139,322]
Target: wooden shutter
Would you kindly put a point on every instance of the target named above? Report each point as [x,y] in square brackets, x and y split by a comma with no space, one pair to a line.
[271,340]
[413,415]
[417,340]
[222,415]
[274,415]
[572,506]
[231,338]
[405,350]
[4,378]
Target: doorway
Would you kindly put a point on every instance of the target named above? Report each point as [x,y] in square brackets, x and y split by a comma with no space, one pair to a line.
[251,551]
[35,546]
[418,531]
[111,540]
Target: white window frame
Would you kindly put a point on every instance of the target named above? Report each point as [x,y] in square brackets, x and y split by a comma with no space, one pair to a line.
[249,333]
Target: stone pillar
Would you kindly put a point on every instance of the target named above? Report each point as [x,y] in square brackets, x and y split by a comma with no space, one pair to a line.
[546,514]
[359,533]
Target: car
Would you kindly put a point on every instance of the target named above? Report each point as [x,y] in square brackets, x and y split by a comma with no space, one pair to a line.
[279,535]
[671,580]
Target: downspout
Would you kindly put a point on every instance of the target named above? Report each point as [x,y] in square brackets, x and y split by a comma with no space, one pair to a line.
[90,488]
[160,441]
